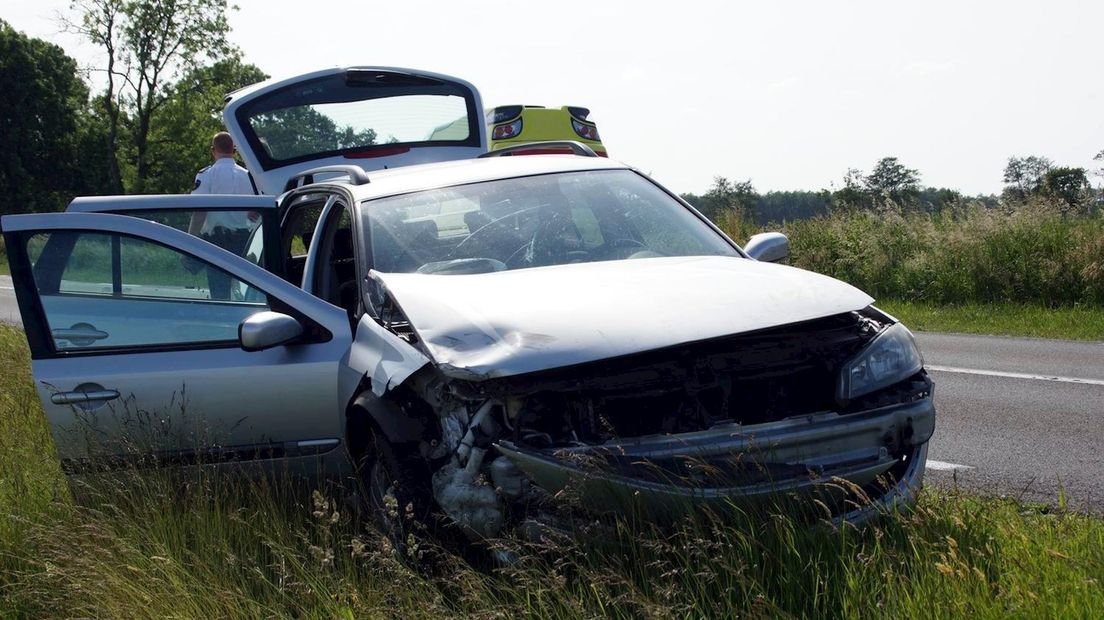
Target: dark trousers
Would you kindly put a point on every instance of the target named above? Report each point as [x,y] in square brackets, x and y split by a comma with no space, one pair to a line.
[233,241]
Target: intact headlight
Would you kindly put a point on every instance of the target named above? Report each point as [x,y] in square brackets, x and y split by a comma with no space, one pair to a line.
[891,357]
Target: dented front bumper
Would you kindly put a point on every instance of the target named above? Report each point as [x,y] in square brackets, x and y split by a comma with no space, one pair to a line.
[827,455]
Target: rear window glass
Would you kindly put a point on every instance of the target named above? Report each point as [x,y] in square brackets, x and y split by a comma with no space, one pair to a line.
[358,113]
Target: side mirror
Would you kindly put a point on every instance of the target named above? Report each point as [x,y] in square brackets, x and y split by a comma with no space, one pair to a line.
[770,247]
[265,330]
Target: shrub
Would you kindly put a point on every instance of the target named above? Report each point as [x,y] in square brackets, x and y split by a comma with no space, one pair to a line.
[1034,254]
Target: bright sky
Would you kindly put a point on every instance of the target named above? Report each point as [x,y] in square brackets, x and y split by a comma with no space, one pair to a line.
[789,94]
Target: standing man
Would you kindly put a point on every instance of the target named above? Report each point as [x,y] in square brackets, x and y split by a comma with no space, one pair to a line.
[227,229]
[224,176]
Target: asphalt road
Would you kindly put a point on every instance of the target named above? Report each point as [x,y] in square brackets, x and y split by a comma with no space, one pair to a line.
[9,310]
[1016,416]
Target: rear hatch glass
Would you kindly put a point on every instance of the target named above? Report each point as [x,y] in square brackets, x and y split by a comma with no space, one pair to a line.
[358,114]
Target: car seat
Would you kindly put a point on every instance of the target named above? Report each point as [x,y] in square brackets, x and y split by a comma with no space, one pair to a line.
[343,287]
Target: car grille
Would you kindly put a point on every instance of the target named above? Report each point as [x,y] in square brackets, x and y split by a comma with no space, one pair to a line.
[747,378]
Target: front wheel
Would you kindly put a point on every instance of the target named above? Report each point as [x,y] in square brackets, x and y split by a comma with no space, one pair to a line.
[398,497]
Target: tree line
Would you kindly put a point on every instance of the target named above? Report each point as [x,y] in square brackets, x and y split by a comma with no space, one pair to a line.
[146,125]
[167,65]
[890,184]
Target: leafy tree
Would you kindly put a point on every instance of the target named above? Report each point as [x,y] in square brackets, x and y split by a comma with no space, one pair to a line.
[147,43]
[94,175]
[772,207]
[1069,185]
[1023,176]
[290,132]
[780,207]
[99,22]
[42,126]
[728,197]
[892,180]
[694,200]
[853,193]
[181,130]
[936,199]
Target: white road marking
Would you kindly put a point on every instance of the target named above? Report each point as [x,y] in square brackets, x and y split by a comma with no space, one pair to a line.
[944,466]
[7,288]
[1015,375]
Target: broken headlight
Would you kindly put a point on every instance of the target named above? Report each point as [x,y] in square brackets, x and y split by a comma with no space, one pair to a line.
[891,357]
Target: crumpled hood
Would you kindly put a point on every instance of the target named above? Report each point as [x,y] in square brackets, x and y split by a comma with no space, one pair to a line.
[515,322]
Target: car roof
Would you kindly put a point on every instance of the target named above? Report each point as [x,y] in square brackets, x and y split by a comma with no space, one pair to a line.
[408,179]
[381,183]
[97,204]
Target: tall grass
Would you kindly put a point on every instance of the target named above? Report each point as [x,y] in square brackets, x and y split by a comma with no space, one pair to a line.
[1034,254]
[207,544]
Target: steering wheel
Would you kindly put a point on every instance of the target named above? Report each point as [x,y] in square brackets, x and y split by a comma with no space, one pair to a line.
[519,257]
[623,243]
[555,241]
[482,231]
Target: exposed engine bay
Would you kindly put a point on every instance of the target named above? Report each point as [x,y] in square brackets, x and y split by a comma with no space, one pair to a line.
[759,410]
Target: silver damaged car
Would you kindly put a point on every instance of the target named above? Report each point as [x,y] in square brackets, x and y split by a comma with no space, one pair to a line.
[478,339]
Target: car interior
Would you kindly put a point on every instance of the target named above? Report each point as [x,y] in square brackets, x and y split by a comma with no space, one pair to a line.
[335,276]
[298,232]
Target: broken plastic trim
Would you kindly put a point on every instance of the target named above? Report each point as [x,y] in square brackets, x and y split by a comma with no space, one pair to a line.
[793,455]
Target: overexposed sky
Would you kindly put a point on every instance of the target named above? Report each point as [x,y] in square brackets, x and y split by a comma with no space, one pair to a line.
[789,94]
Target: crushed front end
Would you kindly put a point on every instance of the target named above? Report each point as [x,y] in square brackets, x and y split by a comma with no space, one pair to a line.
[837,408]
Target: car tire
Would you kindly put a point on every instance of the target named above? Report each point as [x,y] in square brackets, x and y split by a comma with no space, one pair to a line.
[399,499]
[397,494]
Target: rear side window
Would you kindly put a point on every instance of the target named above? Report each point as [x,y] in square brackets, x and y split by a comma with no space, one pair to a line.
[104,291]
[358,113]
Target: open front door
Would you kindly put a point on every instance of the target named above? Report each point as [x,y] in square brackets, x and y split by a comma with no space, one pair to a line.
[134,334]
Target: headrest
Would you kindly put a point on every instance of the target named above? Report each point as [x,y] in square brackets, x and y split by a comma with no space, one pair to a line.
[420,229]
[343,243]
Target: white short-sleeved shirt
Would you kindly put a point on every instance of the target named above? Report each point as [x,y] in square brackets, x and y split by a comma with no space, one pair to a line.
[224,177]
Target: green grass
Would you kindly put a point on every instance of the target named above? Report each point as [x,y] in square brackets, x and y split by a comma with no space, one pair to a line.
[203,544]
[1002,319]
[1030,272]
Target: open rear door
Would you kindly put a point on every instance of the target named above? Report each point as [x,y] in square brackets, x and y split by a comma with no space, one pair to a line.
[372,117]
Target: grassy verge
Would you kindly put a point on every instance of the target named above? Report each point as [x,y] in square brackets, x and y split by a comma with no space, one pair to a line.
[208,545]
[1002,319]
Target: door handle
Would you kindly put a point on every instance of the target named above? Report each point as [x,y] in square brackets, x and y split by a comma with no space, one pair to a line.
[80,334]
[77,398]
